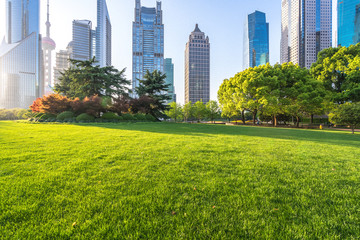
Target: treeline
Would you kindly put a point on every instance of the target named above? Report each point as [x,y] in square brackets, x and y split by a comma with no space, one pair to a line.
[13,114]
[287,89]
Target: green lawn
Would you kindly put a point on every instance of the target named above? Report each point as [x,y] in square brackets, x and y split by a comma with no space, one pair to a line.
[177,181]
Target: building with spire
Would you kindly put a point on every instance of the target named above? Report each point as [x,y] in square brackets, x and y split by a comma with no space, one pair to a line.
[21,66]
[148,42]
[197,67]
[103,35]
[48,45]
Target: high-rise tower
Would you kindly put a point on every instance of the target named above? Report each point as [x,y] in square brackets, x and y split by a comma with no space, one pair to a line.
[306,27]
[169,71]
[348,22]
[103,35]
[256,40]
[82,46]
[48,45]
[197,67]
[21,80]
[148,41]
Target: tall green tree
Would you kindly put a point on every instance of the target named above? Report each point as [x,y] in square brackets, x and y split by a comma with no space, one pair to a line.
[199,110]
[175,111]
[154,86]
[347,114]
[187,111]
[86,79]
[212,110]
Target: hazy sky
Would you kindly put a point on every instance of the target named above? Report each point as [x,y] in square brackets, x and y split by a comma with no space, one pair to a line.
[221,20]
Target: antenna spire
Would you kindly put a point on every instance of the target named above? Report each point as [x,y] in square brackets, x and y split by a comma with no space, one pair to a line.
[48,25]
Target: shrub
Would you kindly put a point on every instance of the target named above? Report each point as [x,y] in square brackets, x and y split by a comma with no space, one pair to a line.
[140,117]
[110,116]
[84,117]
[53,103]
[47,116]
[150,118]
[128,117]
[65,115]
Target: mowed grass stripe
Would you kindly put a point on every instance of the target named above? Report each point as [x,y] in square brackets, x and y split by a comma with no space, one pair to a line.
[177,181]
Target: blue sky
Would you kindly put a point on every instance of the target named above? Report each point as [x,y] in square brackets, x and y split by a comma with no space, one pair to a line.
[221,20]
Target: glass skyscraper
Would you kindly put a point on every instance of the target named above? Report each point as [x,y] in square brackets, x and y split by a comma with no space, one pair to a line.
[197,67]
[82,40]
[21,55]
[256,40]
[306,29]
[148,41]
[348,22]
[103,35]
[169,71]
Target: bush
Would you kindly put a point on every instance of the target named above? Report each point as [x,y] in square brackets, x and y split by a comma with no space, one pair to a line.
[84,117]
[47,116]
[110,116]
[65,115]
[128,117]
[140,117]
[150,118]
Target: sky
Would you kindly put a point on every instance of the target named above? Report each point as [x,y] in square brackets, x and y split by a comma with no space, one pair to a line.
[221,20]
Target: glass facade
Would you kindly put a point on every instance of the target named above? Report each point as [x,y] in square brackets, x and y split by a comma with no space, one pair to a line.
[169,71]
[256,40]
[148,41]
[62,61]
[21,55]
[82,40]
[197,67]
[348,22]
[103,35]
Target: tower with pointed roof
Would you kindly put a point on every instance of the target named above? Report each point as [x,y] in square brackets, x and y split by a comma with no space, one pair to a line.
[197,67]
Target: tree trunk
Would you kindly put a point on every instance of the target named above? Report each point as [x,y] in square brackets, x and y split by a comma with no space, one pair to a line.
[275,121]
[312,119]
[243,116]
[353,129]
[254,116]
[297,121]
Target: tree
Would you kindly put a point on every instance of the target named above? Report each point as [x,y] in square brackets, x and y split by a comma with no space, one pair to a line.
[187,111]
[53,104]
[175,111]
[154,86]
[86,79]
[212,110]
[338,70]
[348,114]
[143,104]
[199,110]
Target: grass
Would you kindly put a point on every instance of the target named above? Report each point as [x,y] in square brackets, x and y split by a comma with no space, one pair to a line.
[177,181]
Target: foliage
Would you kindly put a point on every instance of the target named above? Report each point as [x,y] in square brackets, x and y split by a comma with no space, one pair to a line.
[347,114]
[65,115]
[128,117]
[150,118]
[338,70]
[53,104]
[212,110]
[143,104]
[140,117]
[13,114]
[175,111]
[84,117]
[121,105]
[199,110]
[86,79]
[110,116]
[187,111]
[91,105]
[154,86]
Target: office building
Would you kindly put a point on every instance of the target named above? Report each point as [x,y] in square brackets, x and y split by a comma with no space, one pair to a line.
[62,61]
[306,29]
[82,40]
[21,78]
[169,71]
[197,67]
[348,22]
[103,35]
[256,40]
[148,42]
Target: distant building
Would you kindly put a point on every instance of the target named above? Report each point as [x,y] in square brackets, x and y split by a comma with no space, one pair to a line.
[169,71]
[82,40]
[48,45]
[21,66]
[62,61]
[256,40]
[348,22]
[148,42]
[197,67]
[306,29]
[103,35]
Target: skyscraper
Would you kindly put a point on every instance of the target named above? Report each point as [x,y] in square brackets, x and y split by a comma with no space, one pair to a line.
[103,35]
[169,71]
[48,46]
[306,27]
[148,41]
[62,61]
[197,67]
[20,55]
[82,40]
[348,22]
[256,40]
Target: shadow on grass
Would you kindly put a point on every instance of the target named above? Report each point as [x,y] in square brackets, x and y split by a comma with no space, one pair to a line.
[202,130]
